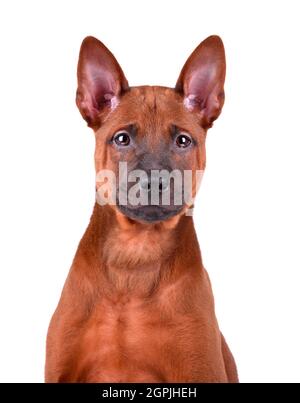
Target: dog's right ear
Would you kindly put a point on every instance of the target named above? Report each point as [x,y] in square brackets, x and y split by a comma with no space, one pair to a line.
[101,81]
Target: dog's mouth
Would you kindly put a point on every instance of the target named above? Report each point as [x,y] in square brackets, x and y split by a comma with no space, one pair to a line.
[150,213]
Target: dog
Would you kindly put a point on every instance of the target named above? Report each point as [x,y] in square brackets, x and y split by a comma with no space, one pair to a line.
[137,305]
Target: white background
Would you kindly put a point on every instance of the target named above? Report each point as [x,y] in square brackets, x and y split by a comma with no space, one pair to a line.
[247,215]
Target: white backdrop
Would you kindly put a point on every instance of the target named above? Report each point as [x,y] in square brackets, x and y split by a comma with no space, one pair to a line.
[247,215]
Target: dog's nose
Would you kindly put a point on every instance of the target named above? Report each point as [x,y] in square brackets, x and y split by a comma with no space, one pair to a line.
[154,183]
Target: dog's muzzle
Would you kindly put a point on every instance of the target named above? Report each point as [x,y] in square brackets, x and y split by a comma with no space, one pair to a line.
[155,200]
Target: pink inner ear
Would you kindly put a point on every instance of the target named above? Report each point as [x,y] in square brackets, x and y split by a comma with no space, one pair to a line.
[202,79]
[190,102]
[98,89]
[100,80]
[101,84]
[201,84]
[114,101]
[204,91]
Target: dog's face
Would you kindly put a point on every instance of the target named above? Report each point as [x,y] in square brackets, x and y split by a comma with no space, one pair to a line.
[156,133]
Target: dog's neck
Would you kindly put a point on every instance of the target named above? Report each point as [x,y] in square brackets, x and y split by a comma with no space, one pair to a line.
[134,257]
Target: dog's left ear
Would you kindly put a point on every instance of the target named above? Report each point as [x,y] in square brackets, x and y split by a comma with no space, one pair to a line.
[101,81]
[201,80]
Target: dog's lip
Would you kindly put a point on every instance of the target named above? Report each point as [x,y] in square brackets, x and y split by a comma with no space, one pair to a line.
[149,213]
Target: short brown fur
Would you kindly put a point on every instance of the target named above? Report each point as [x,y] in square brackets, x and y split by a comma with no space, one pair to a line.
[137,305]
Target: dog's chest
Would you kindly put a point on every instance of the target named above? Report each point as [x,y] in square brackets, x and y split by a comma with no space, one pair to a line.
[132,342]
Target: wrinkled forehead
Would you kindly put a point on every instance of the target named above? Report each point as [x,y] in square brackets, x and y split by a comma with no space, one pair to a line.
[154,111]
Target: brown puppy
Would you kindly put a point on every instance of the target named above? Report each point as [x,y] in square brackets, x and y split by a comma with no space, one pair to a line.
[137,305]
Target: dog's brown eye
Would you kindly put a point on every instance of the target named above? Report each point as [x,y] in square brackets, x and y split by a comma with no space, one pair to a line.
[122,139]
[183,141]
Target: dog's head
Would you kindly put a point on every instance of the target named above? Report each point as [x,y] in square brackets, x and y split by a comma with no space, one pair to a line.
[150,140]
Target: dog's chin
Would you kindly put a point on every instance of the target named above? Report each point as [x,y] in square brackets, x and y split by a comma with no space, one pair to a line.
[150,214]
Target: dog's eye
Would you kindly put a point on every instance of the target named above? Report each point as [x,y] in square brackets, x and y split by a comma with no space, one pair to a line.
[183,140]
[122,139]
